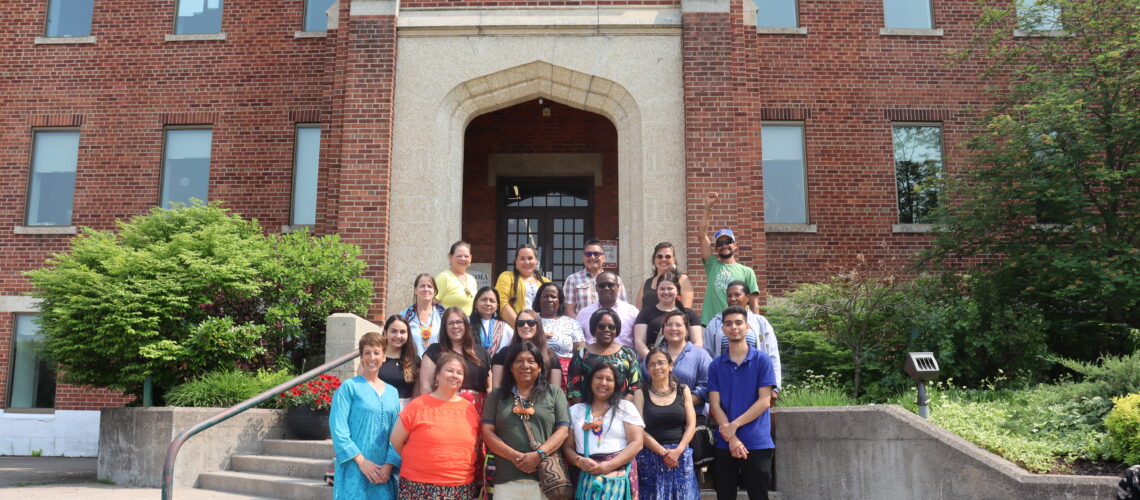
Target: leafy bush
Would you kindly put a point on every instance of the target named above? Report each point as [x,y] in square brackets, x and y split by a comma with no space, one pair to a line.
[227,388]
[815,390]
[1111,376]
[177,292]
[1123,424]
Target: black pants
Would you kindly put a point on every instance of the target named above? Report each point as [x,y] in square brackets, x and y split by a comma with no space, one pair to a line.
[756,472]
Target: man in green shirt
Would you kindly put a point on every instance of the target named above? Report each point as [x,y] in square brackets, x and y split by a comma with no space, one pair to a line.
[721,268]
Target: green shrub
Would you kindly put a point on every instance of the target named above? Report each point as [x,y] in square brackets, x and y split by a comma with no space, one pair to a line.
[815,390]
[226,388]
[1123,424]
[1110,376]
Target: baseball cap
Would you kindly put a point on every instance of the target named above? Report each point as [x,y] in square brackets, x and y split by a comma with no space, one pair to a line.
[720,233]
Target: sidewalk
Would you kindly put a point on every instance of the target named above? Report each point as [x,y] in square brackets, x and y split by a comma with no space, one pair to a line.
[52,478]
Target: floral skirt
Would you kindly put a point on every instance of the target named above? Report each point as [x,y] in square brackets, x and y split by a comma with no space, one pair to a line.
[660,482]
[608,487]
[411,490]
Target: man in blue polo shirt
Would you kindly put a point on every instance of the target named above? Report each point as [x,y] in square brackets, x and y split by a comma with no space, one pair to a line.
[740,393]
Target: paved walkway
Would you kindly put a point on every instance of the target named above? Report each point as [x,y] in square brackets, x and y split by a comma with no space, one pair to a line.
[53,478]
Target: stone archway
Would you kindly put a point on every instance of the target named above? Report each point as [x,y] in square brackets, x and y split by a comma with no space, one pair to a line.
[434,104]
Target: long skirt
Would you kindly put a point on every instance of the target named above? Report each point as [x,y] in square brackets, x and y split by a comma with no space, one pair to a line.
[660,482]
[412,490]
[620,484]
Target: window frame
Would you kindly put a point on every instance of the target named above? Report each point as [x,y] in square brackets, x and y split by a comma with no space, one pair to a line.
[47,22]
[803,155]
[32,172]
[895,168]
[930,18]
[15,321]
[305,18]
[162,159]
[795,16]
[293,181]
[221,20]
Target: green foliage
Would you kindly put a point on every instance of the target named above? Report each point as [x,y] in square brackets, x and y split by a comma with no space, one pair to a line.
[179,291]
[1123,424]
[805,351]
[1052,189]
[1110,377]
[225,388]
[815,390]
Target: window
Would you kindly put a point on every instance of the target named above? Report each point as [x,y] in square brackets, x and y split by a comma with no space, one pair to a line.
[785,192]
[1037,15]
[69,18]
[315,17]
[33,378]
[186,165]
[198,17]
[918,165]
[909,14]
[776,14]
[306,161]
[51,187]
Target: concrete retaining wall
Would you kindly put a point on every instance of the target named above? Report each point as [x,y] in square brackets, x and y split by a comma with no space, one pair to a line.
[133,442]
[887,452]
[62,433]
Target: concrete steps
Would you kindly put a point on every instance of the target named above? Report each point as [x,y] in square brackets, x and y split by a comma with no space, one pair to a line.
[285,469]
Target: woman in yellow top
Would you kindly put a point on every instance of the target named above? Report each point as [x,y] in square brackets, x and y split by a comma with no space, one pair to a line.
[518,287]
[456,287]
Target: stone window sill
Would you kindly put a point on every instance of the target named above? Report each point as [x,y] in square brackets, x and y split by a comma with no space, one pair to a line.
[790,228]
[1040,33]
[46,230]
[766,30]
[296,228]
[310,34]
[910,32]
[195,37]
[62,40]
[912,228]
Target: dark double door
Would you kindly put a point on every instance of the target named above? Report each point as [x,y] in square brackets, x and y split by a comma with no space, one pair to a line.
[555,214]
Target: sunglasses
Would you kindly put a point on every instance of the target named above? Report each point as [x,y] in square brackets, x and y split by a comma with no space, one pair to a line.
[721,243]
[525,322]
[664,256]
[593,254]
[610,326]
[606,285]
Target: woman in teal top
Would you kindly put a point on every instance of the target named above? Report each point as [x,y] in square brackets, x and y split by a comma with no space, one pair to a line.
[363,412]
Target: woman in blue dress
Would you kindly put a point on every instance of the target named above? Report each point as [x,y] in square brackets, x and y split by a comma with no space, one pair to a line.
[363,412]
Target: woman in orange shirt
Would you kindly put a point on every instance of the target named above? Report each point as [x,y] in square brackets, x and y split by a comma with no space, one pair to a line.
[437,438]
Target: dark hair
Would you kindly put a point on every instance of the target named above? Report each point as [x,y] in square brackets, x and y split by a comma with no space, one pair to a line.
[597,316]
[738,283]
[476,320]
[541,383]
[539,335]
[734,310]
[661,246]
[515,272]
[408,357]
[588,386]
[443,360]
[416,284]
[675,278]
[673,383]
[456,245]
[665,319]
[537,304]
[592,242]
[468,346]
[611,273]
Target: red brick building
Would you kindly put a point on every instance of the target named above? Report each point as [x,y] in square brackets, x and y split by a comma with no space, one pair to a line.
[404,126]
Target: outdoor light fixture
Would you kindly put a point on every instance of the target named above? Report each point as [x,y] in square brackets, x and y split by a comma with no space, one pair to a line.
[922,367]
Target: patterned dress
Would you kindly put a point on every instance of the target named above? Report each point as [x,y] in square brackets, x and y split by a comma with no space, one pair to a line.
[625,360]
[360,421]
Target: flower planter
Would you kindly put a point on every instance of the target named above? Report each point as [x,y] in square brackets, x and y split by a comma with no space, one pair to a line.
[308,424]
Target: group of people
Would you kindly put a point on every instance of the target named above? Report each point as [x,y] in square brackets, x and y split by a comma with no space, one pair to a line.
[475,390]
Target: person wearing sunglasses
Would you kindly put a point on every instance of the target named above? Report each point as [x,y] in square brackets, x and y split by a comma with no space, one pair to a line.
[604,325]
[528,328]
[721,267]
[579,287]
[607,285]
[664,259]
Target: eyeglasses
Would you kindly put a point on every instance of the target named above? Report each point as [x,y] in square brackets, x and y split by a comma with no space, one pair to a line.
[454,323]
[525,322]
[606,285]
[593,254]
[721,243]
[603,326]
[664,256]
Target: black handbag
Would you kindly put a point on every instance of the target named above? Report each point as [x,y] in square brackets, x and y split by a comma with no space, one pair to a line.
[702,443]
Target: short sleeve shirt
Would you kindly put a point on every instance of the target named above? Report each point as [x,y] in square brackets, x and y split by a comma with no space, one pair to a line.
[719,276]
[652,319]
[579,290]
[739,386]
[474,376]
[550,411]
[561,335]
[439,432]
[611,438]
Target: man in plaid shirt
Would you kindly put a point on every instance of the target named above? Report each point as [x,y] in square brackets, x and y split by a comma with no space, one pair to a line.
[579,287]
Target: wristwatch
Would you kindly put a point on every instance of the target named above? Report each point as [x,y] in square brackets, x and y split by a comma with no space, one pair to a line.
[541,454]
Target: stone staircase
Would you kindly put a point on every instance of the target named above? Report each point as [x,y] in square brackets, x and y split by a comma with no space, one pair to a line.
[285,469]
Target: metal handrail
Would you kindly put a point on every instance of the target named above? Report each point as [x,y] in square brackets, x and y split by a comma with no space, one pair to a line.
[176,444]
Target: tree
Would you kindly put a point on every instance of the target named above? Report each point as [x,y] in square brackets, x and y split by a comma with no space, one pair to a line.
[178,292]
[1049,207]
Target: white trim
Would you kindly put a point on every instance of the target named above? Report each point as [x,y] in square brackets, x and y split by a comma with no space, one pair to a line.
[706,6]
[1040,33]
[195,37]
[766,30]
[60,40]
[910,32]
[296,228]
[19,304]
[373,8]
[912,228]
[310,34]
[551,21]
[790,228]
[45,230]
